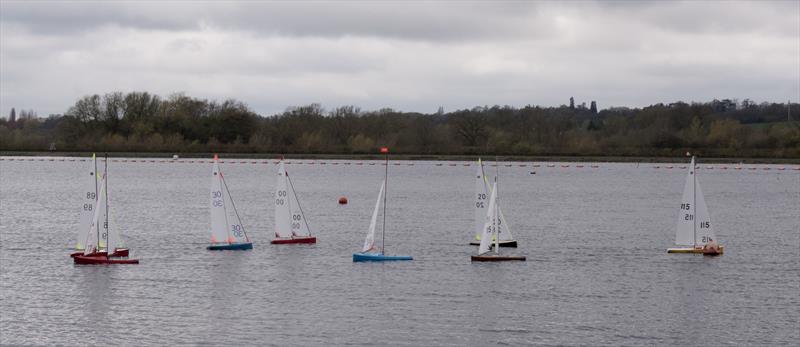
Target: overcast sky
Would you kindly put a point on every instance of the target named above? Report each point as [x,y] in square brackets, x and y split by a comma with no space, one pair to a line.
[410,56]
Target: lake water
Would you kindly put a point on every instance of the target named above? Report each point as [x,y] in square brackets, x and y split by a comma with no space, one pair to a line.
[597,271]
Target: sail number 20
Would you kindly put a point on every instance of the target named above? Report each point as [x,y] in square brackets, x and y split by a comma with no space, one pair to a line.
[479,203]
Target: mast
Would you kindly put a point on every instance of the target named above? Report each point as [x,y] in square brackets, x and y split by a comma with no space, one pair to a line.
[96,200]
[694,202]
[496,207]
[483,173]
[385,192]
[105,226]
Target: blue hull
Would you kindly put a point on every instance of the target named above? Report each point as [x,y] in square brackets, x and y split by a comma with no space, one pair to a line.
[379,257]
[231,247]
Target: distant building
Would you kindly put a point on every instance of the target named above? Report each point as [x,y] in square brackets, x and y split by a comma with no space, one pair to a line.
[724,105]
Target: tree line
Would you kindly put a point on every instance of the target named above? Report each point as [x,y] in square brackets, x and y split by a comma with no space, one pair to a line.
[144,122]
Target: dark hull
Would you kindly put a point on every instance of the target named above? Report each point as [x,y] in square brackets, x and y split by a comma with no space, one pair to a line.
[231,247]
[121,252]
[359,257]
[102,260]
[294,240]
[497,258]
[510,243]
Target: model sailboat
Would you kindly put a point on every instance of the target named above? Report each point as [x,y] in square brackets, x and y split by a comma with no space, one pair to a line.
[100,230]
[227,232]
[290,222]
[695,233]
[481,196]
[490,234]
[369,252]
[88,204]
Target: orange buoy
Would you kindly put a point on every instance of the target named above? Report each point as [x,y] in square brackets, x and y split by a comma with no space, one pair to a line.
[342,201]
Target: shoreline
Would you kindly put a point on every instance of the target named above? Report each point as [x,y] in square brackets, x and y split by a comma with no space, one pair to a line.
[413,157]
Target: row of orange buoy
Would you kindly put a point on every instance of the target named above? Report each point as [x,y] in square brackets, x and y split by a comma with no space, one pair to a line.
[373,163]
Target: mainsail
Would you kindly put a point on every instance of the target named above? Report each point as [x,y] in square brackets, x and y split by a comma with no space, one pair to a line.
[490,222]
[88,205]
[369,242]
[283,217]
[481,200]
[96,228]
[219,223]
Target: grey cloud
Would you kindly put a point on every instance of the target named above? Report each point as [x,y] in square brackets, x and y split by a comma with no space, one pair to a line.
[393,19]
[412,56]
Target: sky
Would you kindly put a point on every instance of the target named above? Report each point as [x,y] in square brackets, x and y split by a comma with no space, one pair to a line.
[405,55]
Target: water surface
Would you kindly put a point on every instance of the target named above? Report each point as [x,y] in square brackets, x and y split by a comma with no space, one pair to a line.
[597,271]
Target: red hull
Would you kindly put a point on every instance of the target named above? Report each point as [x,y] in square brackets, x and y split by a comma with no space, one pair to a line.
[102,260]
[304,239]
[122,252]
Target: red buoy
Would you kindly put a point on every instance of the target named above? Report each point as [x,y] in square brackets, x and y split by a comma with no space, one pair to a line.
[342,201]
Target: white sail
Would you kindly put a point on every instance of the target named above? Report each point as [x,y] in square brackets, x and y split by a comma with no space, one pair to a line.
[481,200]
[219,223]
[236,232]
[113,238]
[88,205]
[705,230]
[102,204]
[102,208]
[503,229]
[96,229]
[283,218]
[297,219]
[369,242]
[490,221]
[685,234]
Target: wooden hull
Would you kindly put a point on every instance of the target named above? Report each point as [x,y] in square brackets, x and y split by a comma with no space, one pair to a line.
[498,258]
[693,250]
[359,257]
[102,260]
[121,252]
[294,240]
[507,243]
[231,247]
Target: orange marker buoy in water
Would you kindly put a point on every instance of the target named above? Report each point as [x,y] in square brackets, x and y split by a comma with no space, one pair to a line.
[342,201]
